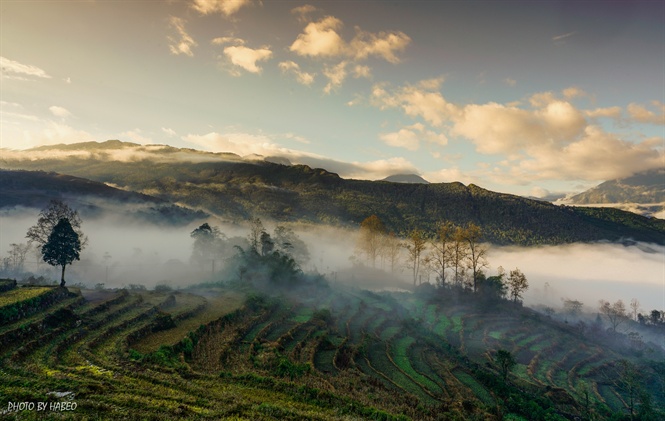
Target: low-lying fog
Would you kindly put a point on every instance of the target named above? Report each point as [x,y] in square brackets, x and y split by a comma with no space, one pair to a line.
[120,253]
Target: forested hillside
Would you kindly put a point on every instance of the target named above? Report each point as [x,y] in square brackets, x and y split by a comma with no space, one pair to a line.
[236,190]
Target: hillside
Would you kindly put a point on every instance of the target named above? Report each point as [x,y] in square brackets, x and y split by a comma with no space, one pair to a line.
[642,193]
[234,189]
[218,352]
[643,188]
[34,189]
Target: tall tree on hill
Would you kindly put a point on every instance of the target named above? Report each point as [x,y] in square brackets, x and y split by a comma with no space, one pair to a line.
[255,231]
[615,313]
[371,239]
[392,248]
[208,244]
[62,247]
[416,243]
[477,252]
[458,252]
[505,360]
[288,242]
[517,283]
[49,218]
[440,255]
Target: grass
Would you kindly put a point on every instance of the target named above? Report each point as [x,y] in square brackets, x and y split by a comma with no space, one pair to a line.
[16,295]
[217,306]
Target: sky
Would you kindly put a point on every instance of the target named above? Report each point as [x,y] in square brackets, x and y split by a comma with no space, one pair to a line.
[523,97]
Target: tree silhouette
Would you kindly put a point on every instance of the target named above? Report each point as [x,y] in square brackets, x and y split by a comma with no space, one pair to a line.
[505,361]
[49,218]
[62,247]
[518,284]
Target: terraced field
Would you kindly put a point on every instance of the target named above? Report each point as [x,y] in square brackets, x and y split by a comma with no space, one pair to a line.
[306,353]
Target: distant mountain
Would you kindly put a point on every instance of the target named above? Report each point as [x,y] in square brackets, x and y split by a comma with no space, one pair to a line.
[644,188]
[34,189]
[642,193]
[234,189]
[406,178]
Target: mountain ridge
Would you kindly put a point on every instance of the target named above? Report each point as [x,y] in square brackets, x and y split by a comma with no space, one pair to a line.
[238,190]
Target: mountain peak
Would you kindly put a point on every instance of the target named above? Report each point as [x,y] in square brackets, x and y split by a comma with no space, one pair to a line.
[406,178]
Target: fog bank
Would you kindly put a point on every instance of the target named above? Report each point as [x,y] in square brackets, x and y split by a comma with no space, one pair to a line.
[589,272]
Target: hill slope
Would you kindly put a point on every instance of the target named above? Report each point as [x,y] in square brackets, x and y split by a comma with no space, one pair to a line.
[34,189]
[646,187]
[642,193]
[234,189]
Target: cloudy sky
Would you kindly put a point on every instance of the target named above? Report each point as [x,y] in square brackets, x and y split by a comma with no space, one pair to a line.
[516,96]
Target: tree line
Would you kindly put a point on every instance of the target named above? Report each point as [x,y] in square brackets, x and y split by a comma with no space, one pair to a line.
[455,255]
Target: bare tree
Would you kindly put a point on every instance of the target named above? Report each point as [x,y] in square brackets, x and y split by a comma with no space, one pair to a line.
[458,252]
[392,247]
[440,254]
[615,313]
[370,239]
[16,258]
[255,231]
[415,245]
[572,307]
[634,307]
[477,252]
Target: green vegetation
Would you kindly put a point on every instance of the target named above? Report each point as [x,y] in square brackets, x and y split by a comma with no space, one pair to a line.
[261,357]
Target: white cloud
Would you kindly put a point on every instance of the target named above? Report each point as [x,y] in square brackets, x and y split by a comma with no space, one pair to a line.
[641,114]
[547,139]
[136,136]
[59,111]
[573,92]
[55,133]
[322,39]
[563,38]
[292,67]
[409,137]
[225,7]
[383,45]
[246,58]
[336,75]
[598,155]
[404,138]
[303,11]
[449,175]
[227,40]
[183,43]
[416,101]
[11,69]
[362,71]
[168,131]
[607,112]
[510,82]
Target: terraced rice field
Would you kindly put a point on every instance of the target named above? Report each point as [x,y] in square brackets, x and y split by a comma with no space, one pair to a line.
[339,354]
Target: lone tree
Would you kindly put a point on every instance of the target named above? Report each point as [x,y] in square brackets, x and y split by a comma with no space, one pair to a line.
[62,247]
[505,360]
[518,284]
[49,218]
